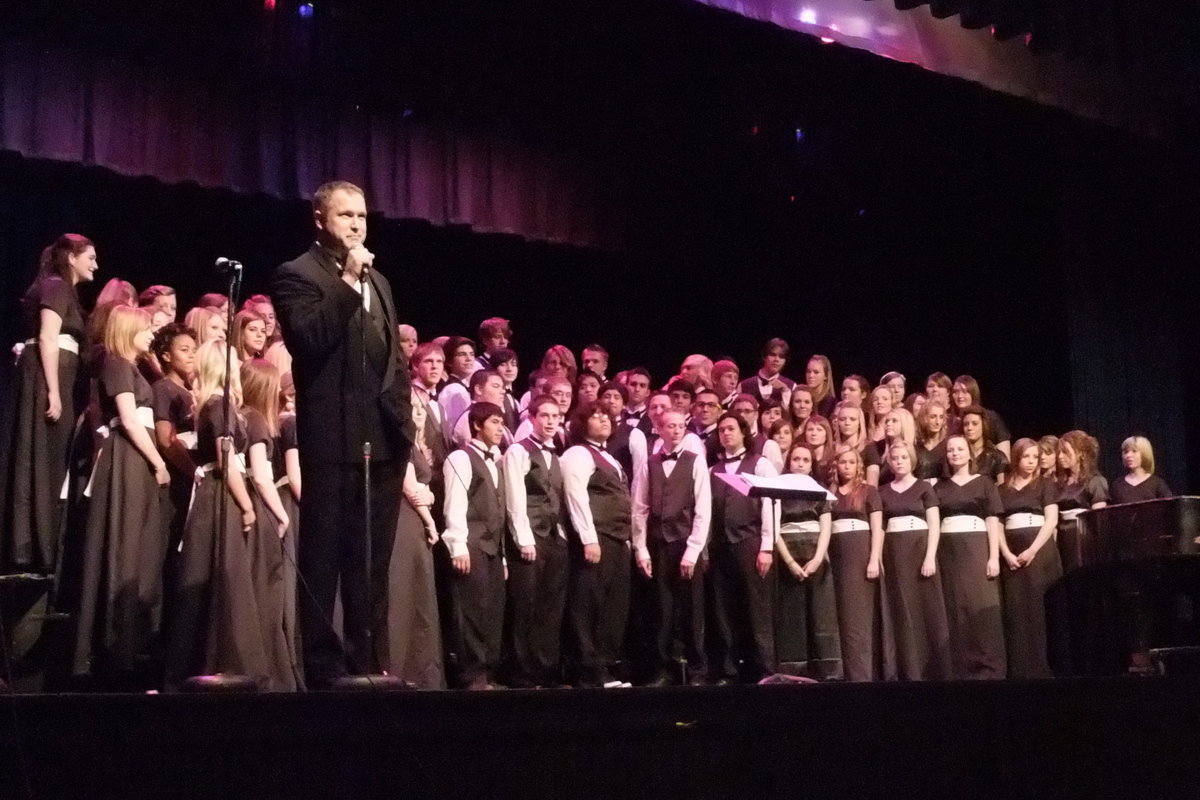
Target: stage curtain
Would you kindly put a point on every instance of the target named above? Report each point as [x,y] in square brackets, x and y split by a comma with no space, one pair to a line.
[63,106]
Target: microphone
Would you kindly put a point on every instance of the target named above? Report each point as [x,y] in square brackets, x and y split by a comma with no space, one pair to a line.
[225,266]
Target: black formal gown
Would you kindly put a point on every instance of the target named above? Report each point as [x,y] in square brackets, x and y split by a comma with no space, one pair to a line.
[1024,590]
[859,600]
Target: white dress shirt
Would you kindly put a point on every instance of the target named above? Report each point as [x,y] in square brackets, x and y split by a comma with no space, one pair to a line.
[457,472]
[641,451]
[764,469]
[577,467]
[454,399]
[516,466]
[701,492]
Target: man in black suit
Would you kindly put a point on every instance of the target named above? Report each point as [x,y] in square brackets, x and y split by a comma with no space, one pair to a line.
[352,388]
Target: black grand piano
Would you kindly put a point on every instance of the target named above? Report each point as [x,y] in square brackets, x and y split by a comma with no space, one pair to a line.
[1134,605]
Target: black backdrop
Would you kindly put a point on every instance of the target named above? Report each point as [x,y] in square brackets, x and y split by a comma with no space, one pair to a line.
[914,222]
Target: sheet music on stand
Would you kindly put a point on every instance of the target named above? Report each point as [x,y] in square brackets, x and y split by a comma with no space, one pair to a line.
[777,487]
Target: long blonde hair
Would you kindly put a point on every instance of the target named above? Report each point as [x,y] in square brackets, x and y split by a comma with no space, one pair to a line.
[261,391]
[210,374]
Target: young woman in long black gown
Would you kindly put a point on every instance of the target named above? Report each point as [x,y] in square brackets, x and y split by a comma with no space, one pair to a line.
[850,428]
[969,562]
[806,629]
[855,553]
[917,638]
[988,459]
[125,543]
[931,441]
[1139,482]
[964,395]
[40,415]
[1030,519]
[1080,487]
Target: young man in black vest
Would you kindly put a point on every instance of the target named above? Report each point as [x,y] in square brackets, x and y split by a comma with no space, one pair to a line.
[536,549]
[705,412]
[672,509]
[770,381]
[598,504]
[637,381]
[455,394]
[474,537]
[486,386]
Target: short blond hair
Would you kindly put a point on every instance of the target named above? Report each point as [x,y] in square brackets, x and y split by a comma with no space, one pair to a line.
[1142,445]
[320,198]
[125,323]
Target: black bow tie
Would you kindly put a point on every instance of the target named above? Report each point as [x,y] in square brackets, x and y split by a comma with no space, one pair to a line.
[669,456]
[726,459]
[599,447]
[487,454]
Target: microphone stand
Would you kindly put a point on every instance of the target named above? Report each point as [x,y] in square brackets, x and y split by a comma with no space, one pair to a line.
[231,297]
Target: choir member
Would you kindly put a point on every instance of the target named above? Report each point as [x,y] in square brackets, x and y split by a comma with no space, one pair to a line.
[879,403]
[637,382]
[806,625]
[856,389]
[782,434]
[428,365]
[683,394]
[1030,518]
[817,434]
[587,387]
[455,395]
[931,441]
[598,503]
[1080,487]
[595,360]
[938,387]
[916,629]
[249,337]
[770,411]
[160,302]
[741,553]
[175,423]
[989,460]
[1048,457]
[261,304]
[770,381]
[855,553]
[214,301]
[116,292]
[818,376]
[800,407]
[611,399]
[897,424]
[265,545]
[896,382]
[486,386]
[725,376]
[969,562]
[560,390]
[705,413]
[746,407]
[672,510]
[125,543]
[474,537]
[289,483]
[217,622]
[506,365]
[1139,482]
[47,394]
[495,333]
[914,403]
[850,428]
[208,324]
[406,338]
[697,369]
[414,640]
[536,548]
[965,394]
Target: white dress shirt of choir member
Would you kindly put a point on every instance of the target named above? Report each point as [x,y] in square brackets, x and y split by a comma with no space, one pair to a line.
[725,380]
[495,333]
[746,407]
[672,511]
[856,389]
[474,536]
[598,506]
[965,393]
[559,389]
[637,382]
[850,428]
[537,581]
[455,395]
[406,337]
[486,386]
[769,380]
[612,400]
[595,361]
[648,444]
[741,553]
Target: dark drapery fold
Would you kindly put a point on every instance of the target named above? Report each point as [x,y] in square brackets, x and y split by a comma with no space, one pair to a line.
[64,107]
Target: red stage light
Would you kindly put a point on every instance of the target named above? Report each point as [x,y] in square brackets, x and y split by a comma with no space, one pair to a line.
[269,5]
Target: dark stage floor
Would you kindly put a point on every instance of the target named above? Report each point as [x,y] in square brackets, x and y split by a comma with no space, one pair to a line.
[1129,737]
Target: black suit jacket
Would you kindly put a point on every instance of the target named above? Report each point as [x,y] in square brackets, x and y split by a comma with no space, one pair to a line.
[325,328]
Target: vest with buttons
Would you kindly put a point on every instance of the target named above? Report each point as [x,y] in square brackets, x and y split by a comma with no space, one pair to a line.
[608,497]
[672,499]
[543,492]
[735,517]
[485,506]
